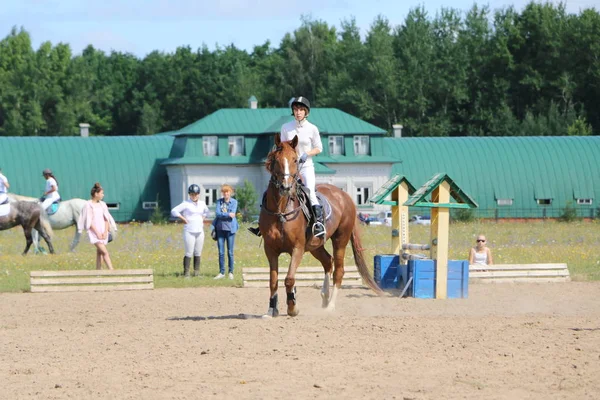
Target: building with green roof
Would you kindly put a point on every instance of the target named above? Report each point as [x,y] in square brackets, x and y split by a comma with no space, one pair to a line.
[230,146]
[128,167]
[509,177]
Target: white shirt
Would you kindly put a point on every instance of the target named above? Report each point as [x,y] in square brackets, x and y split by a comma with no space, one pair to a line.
[308,137]
[3,182]
[193,212]
[51,182]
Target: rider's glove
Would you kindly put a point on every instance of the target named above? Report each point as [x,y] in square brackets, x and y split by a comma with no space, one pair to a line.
[303,158]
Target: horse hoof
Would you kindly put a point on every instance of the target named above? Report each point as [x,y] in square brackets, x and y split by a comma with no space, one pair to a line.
[325,299]
[273,312]
[293,311]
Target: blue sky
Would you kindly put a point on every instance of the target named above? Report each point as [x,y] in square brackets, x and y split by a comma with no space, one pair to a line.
[141,26]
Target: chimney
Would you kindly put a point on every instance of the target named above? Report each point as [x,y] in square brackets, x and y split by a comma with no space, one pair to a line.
[84,130]
[252,103]
[397,130]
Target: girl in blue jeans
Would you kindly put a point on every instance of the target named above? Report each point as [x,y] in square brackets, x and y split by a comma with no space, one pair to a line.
[226,225]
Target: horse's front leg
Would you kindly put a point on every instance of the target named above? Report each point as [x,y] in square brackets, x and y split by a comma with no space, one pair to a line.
[290,282]
[273,282]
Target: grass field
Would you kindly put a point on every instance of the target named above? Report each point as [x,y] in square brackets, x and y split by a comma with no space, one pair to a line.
[161,248]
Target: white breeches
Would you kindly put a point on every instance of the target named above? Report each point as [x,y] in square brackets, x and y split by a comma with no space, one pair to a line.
[3,197]
[308,177]
[51,198]
[193,241]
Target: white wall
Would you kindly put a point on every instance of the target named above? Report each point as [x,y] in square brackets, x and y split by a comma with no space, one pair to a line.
[347,176]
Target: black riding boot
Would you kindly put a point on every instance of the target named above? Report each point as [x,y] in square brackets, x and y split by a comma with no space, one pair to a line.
[255,231]
[319,225]
[196,265]
[186,266]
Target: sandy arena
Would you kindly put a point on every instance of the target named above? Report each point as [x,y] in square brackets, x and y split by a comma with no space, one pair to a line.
[525,341]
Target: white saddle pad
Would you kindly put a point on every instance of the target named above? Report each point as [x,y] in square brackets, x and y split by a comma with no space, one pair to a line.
[4,209]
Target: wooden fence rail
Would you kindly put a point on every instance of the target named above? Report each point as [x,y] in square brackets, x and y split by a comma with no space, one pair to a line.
[88,281]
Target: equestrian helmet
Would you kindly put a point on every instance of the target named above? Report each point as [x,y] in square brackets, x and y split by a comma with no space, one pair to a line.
[301,101]
[194,189]
[47,171]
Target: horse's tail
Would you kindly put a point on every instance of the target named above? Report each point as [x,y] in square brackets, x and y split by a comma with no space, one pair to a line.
[45,222]
[359,259]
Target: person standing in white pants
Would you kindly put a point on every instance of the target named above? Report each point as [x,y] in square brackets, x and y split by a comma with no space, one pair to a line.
[192,212]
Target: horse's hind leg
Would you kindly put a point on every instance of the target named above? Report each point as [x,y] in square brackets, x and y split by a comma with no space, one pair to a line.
[48,241]
[339,251]
[28,239]
[324,257]
[44,235]
[75,241]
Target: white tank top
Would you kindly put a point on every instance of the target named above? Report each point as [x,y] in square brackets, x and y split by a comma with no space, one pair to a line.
[480,258]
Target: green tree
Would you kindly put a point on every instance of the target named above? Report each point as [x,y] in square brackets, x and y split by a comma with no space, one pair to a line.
[246,197]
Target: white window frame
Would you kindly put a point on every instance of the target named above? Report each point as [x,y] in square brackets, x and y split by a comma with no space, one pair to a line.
[585,202]
[544,202]
[236,145]
[362,194]
[210,145]
[149,205]
[504,202]
[335,148]
[113,206]
[211,195]
[361,145]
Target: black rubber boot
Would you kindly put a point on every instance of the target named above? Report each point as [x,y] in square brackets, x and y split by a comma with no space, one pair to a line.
[196,265]
[319,225]
[255,231]
[186,266]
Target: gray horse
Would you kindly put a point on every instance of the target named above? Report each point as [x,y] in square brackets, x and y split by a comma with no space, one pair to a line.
[30,216]
[66,216]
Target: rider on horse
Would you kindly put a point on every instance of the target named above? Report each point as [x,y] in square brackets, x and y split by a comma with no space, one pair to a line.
[51,191]
[309,145]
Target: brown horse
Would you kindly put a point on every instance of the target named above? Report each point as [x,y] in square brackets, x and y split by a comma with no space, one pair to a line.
[284,228]
[30,216]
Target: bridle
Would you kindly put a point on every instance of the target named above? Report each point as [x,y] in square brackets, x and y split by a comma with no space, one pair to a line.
[288,191]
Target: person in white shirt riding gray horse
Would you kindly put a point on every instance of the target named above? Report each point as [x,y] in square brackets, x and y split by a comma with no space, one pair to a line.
[309,145]
[4,186]
[192,212]
[51,191]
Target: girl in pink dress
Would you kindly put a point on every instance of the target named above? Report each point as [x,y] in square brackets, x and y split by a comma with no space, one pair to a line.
[96,219]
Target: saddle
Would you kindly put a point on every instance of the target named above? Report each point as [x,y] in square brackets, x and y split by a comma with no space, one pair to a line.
[53,207]
[304,198]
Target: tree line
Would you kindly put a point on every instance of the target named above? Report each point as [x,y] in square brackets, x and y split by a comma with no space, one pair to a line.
[474,73]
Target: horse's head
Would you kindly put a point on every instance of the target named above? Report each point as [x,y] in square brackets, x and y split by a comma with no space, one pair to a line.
[282,163]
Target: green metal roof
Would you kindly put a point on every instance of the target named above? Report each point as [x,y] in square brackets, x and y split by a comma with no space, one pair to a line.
[517,168]
[128,167]
[387,188]
[246,121]
[419,198]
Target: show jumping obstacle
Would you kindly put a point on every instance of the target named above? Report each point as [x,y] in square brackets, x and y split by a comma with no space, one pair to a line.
[91,281]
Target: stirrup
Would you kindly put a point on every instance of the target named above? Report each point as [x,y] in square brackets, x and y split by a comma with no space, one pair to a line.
[316,227]
[255,231]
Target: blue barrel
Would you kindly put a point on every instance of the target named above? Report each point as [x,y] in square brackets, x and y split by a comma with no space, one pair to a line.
[387,271]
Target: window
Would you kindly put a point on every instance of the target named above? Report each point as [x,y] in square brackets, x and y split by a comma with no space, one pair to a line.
[544,202]
[236,145]
[362,195]
[209,145]
[361,145]
[210,196]
[504,202]
[149,205]
[336,145]
[113,206]
[587,202]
